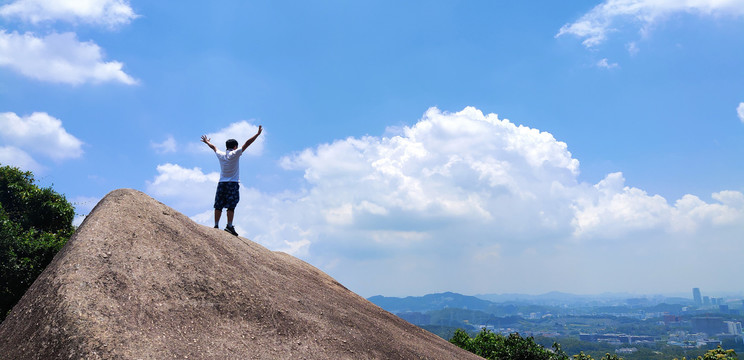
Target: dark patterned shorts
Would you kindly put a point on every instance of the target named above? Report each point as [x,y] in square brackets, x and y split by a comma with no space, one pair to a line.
[228,195]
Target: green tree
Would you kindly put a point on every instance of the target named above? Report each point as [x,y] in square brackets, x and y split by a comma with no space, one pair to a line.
[35,223]
[582,356]
[499,347]
[514,347]
[718,354]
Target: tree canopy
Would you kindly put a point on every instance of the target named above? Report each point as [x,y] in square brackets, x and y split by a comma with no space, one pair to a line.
[494,346]
[35,223]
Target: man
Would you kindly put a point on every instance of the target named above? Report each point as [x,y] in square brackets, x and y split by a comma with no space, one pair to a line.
[228,193]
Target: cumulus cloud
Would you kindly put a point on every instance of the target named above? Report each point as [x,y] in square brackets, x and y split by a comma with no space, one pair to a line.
[167,146]
[39,134]
[59,58]
[614,210]
[13,156]
[595,25]
[188,188]
[740,111]
[604,63]
[456,199]
[240,131]
[438,169]
[98,12]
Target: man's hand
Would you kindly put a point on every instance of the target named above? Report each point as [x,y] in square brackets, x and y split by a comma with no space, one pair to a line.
[251,140]
[205,140]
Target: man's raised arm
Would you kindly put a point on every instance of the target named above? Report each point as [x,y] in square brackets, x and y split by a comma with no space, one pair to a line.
[251,140]
[205,140]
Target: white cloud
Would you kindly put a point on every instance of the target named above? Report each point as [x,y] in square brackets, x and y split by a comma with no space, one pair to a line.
[98,12]
[606,64]
[240,131]
[459,197]
[59,58]
[439,169]
[616,211]
[740,111]
[632,48]
[13,156]
[188,188]
[595,25]
[167,146]
[40,134]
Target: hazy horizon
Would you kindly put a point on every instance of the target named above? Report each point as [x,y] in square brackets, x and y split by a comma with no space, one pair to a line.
[724,294]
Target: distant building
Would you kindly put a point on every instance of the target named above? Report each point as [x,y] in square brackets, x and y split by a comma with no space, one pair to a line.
[616,338]
[711,344]
[696,296]
[671,319]
[706,300]
[733,327]
[625,350]
[708,324]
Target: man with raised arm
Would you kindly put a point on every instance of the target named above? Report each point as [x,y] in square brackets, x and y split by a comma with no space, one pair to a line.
[228,189]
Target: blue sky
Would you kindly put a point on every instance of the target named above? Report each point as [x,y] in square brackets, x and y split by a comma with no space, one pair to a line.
[408,148]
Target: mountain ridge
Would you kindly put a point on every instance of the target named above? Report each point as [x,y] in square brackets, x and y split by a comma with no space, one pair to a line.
[438,301]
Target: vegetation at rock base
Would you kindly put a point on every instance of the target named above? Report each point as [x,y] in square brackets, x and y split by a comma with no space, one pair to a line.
[495,346]
[513,347]
[718,354]
[35,223]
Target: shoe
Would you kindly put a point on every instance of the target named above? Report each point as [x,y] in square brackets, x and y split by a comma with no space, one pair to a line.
[231,230]
[216,227]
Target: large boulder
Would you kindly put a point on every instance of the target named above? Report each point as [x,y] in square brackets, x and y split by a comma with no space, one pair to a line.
[139,280]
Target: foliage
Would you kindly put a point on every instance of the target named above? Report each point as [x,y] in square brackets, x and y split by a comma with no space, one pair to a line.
[513,347]
[496,346]
[735,344]
[34,224]
[582,356]
[718,354]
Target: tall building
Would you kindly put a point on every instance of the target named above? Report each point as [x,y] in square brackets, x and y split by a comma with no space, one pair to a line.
[733,327]
[708,324]
[696,295]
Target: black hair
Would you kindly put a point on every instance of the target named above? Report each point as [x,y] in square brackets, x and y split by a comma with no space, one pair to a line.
[231,144]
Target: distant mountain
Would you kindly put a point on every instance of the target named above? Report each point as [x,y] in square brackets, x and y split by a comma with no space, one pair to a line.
[430,302]
[555,298]
[509,304]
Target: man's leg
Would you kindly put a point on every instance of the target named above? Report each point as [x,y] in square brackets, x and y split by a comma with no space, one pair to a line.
[230,216]
[217,216]
[232,197]
[229,228]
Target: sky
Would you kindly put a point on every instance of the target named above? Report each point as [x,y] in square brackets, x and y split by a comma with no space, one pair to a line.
[408,147]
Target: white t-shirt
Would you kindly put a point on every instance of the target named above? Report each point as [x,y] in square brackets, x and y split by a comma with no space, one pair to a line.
[229,164]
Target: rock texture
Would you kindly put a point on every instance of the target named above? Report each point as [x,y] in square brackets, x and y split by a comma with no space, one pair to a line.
[139,280]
